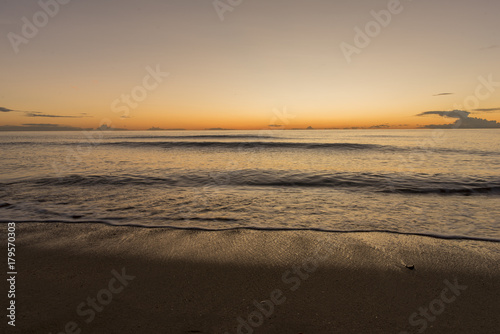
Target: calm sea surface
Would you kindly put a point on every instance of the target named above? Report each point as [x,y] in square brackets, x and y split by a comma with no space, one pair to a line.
[444,182]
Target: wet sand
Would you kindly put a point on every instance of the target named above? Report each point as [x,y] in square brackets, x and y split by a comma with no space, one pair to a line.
[92,278]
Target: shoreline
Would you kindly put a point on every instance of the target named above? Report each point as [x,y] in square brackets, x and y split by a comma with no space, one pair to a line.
[255,228]
[187,281]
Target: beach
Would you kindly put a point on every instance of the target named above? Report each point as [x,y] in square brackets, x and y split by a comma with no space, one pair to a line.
[95,278]
[246,167]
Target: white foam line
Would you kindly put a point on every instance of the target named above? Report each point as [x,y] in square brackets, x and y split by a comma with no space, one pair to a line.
[255,228]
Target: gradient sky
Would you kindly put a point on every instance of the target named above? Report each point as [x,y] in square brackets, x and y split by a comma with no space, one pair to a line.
[264,57]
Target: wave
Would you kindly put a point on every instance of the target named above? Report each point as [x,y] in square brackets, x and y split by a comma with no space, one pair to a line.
[199,141]
[221,144]
[257,228]
[253,144]
[202,137]
[240,145]
[383,183]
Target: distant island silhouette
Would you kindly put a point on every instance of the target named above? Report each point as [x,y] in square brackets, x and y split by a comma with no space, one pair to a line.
[153,128]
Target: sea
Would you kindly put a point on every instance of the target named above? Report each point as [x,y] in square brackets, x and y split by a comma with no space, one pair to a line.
[436,182]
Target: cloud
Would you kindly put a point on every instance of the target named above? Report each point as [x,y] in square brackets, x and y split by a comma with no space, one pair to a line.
[491,110]
[463,121]
[451,114]
[39,127]
[443,94]
[39,114]
[40,124]
[491,47]
[467,123]
[381,126]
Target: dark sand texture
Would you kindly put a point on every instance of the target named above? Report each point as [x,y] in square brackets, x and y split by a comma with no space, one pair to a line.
[201,282]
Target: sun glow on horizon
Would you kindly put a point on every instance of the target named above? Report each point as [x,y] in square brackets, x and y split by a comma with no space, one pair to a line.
[177,65]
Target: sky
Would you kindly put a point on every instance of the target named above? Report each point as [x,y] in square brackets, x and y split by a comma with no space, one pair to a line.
[248,64]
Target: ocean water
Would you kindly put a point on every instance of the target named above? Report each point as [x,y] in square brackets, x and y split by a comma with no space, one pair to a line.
[439,182]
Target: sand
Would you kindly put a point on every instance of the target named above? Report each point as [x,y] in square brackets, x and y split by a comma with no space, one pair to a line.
[92,278]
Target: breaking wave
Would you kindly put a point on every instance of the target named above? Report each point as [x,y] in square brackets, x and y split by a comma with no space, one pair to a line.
[383,183]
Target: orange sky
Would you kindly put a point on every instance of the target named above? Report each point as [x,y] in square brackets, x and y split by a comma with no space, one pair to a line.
[246,70]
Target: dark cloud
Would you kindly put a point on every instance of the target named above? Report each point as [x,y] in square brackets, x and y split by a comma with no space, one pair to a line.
[40,124]
[467,123]
[477,123]
[39,114]
[488,110]
[380,126]
[451,114]
[39,127]
[443,94]
[491,47]
[463,121]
